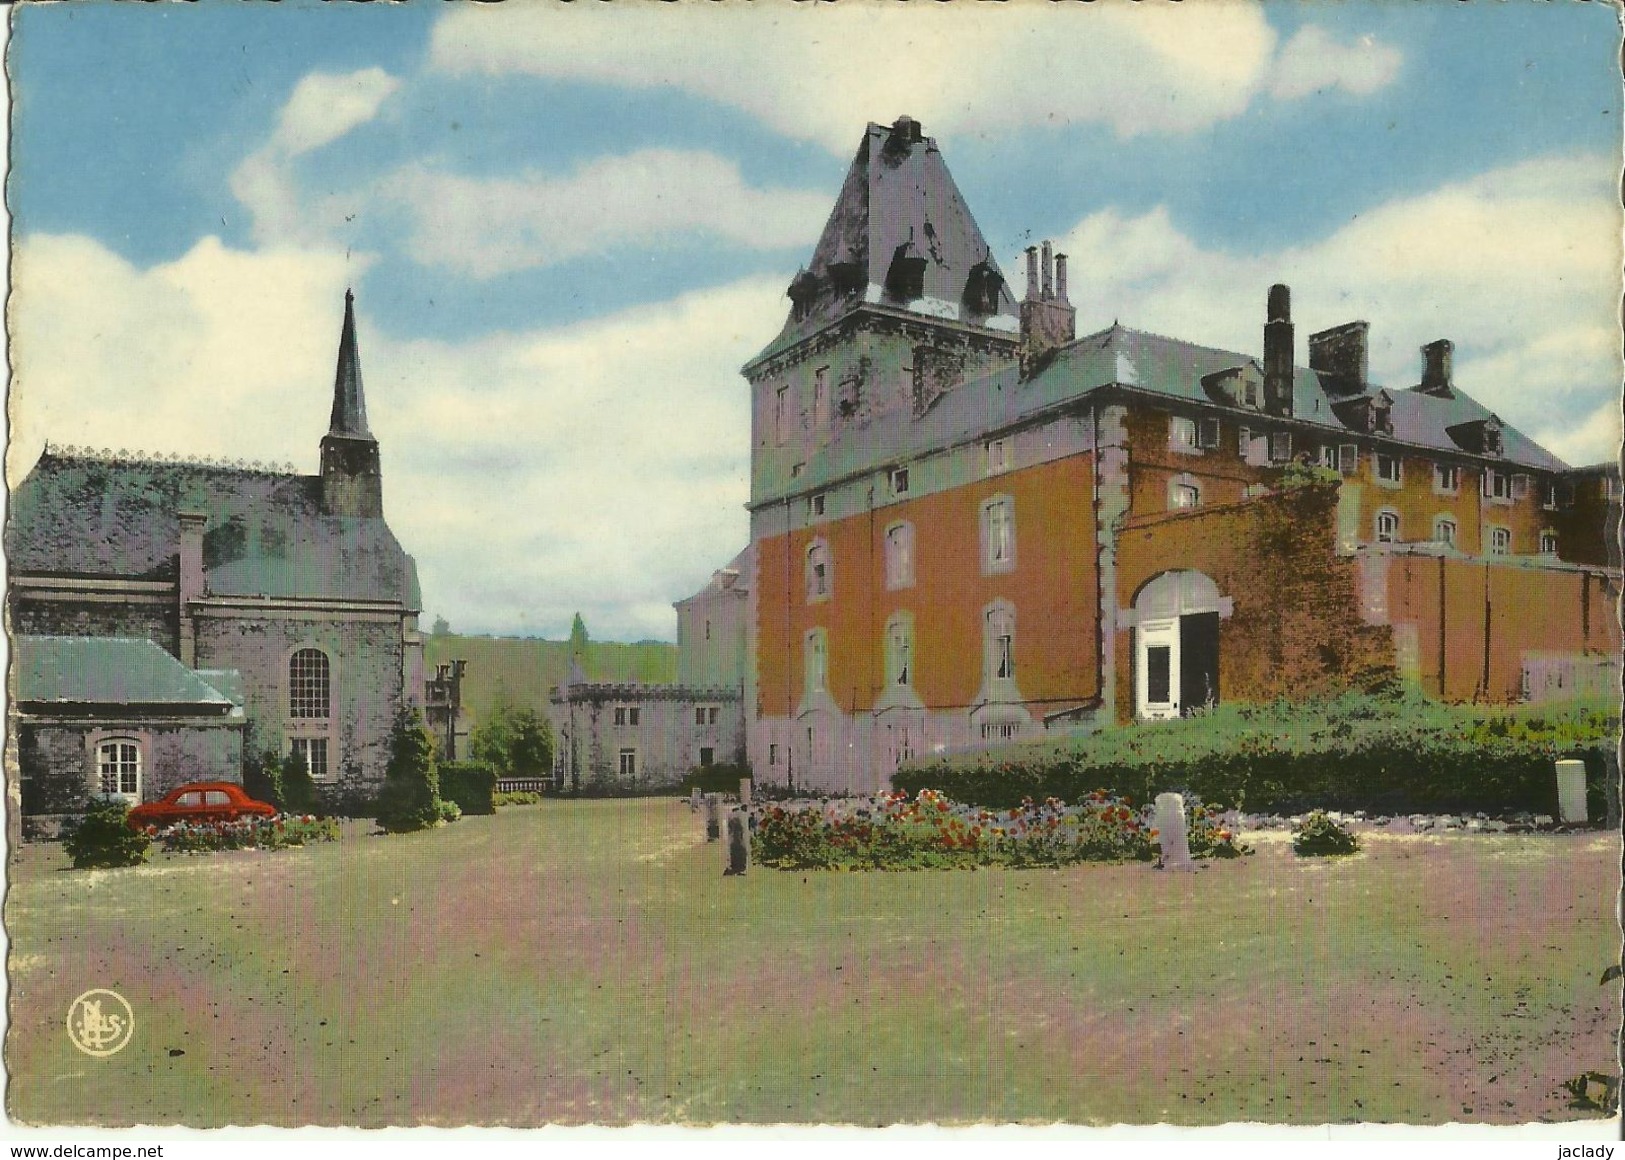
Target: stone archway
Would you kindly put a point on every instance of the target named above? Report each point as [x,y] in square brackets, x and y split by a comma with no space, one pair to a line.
[1176,645]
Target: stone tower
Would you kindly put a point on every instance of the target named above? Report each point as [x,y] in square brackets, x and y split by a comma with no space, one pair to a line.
[352,481]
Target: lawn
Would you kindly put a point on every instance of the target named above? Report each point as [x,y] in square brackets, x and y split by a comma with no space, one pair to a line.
[579,962]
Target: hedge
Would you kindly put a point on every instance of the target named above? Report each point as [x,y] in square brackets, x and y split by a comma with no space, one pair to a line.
[715,778]
[471,784]
[1389,755]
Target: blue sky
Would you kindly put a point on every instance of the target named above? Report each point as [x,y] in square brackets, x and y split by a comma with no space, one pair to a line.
[567,227]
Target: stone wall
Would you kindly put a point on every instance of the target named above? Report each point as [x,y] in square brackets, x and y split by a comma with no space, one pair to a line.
[58,763]
[666,740]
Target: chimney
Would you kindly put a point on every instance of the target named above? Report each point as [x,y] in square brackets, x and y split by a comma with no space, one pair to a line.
[190,582]
[1436,360]
[1048,320]
[1278,352]
[1341,354]
[1060,279]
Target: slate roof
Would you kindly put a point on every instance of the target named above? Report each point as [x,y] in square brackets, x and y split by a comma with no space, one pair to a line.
[109,670]
[349,418]
[1141,362]
[898,196]
[732,577]
[266,533]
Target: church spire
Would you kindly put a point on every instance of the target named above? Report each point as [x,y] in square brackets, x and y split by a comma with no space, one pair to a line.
[349,405]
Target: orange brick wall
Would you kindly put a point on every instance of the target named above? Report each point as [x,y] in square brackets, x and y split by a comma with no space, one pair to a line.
[1053,589]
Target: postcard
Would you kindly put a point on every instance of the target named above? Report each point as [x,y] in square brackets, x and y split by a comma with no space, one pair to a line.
[846,564]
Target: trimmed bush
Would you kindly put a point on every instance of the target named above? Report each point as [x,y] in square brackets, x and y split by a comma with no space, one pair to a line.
[410,799]
[521,798]
[471,784]
[1398,754]
[715,778]
[103,839]
[262,778]
[1319,835]
[299,792]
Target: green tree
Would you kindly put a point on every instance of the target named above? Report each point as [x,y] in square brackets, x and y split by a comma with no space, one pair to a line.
[410,799]
[442,627]
[298,787]
[515,740]
[103,838]
[262,778]
[579,641]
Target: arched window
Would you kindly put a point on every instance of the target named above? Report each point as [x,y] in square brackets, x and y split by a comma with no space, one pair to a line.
[1387,527]
[998,642]
[998,535]
[309,685]
[1500,541]
[900,650]
[1548,543]
[118,768]
[900,556]
[815,660]
[1444,530]
[820,581]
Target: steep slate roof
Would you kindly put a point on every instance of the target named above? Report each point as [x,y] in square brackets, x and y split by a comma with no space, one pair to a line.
[738,568]
[109,670]
[898,194]
[266,534]
[349,417]
[1144,362]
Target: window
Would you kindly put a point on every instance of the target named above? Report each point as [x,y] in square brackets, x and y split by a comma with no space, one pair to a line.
[308,685]
[629,763]
[1327,456]
[819,580]
[1387,467]
[815,505]
[999,641]
[1551,496]
[1182,433]
[118,769]
[1387,527]
[998,456]
[1500,541]
[1446,478]
[900,556]
[1249,391]
[216,797]
[1182,494]
[314,751]
[1348,458]
[796,469]
[821,397]
[899,481]
[1244,442]
[1000,730]
[773,753]
[781,429]
[1548,543]
[900,650]
[705,714]
[815,660]
[707,755]
[708,630]
[1280,446]
[1207,433]
[998,535]
[1497,484]
[1520,486]
[1444,530]
[626,714]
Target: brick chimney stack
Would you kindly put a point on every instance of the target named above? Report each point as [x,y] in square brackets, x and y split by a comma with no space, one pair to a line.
[1048,320]
[190,581]
[1278,352]
[1437,358]
[1341,354]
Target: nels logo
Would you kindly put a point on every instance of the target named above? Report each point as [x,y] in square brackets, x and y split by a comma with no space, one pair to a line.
[100,1022]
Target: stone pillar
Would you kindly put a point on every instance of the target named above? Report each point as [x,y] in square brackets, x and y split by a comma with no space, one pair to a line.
[1571,792]
[694,800]
[738,844]
[1170,820]
[744,791]
[713,817]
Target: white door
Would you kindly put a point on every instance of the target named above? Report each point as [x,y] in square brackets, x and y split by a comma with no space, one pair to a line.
[1156,678]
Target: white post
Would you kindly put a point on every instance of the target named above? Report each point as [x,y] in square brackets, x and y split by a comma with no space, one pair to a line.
[1571,791]
[744,791]
[1170,817]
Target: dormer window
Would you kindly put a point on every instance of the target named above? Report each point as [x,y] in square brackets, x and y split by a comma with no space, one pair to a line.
[905,278]
[982,289]
[899,481]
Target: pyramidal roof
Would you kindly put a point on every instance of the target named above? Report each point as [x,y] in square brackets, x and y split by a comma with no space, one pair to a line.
[900,235]
[349,418]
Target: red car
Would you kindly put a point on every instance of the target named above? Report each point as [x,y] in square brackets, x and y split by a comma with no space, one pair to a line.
[204,801]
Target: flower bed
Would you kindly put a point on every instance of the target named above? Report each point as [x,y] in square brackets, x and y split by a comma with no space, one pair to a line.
[245,834]
[892,832]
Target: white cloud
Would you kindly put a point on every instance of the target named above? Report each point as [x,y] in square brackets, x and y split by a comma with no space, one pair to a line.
[326,106]
[1314,61]
[488,226]
[599,467]
[322,108]
[814,72]
[1520,267]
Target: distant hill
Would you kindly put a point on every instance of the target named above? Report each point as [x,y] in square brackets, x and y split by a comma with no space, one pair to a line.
[524,668]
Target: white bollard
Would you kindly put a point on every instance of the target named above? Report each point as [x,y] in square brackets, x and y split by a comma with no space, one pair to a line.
[1170,817]
[1571,791]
